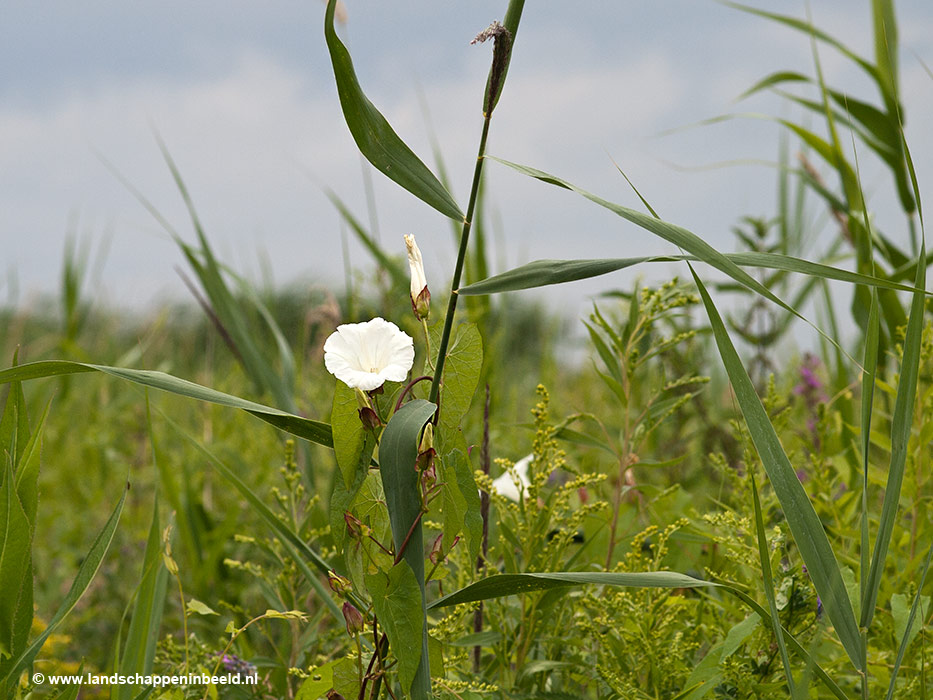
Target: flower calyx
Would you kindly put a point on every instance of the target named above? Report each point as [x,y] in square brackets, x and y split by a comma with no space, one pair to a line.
[368,415]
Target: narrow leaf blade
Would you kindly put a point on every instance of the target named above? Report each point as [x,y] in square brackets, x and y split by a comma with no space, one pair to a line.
[311,430]
[900,436]
[375,138]
[802,519]
[79,585]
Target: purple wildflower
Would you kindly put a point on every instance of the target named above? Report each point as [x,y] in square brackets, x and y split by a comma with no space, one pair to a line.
[234,664]
[810,388]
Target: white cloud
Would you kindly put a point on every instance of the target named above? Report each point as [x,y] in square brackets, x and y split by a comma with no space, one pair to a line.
[242,136]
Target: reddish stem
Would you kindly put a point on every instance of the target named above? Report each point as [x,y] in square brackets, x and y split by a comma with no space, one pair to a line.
[409,387]
[401,549]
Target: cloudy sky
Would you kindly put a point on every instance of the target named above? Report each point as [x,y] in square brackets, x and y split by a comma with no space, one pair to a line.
[243,95]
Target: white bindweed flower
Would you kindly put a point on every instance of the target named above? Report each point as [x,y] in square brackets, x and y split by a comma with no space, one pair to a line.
[366,355]
[505,484]
[420,296]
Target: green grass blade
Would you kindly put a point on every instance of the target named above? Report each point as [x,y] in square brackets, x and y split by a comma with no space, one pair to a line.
[541,273]
[311,430]
[398,452]
[886,40]
[87,571]
[870,367]
[14,424]
[913,180]
[15,559]
[765,560]
[905,640]
[27,471]
[143,634]
[795,646]
[802,519]
[228,315]
[900,437]
[226,310]
[502,585]
[807,28]
[375,137]
[776,78]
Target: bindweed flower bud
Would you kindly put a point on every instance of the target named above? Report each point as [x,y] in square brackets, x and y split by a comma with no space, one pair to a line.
[353,618]
[426,454]
[427,439]
[420,296]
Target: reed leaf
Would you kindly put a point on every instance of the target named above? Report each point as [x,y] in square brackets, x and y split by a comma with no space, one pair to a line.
[541,273]
[765,561]
[311,430]
[672,233]
[375,138]
[143,634]
[802,519]
[900,438]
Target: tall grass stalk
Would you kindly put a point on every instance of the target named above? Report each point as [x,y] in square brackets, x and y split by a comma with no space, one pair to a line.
[458,269]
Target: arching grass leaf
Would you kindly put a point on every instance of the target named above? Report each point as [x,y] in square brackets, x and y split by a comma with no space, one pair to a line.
[541,273]
[375,138]
[311,430]
[900,437]
[804,523]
